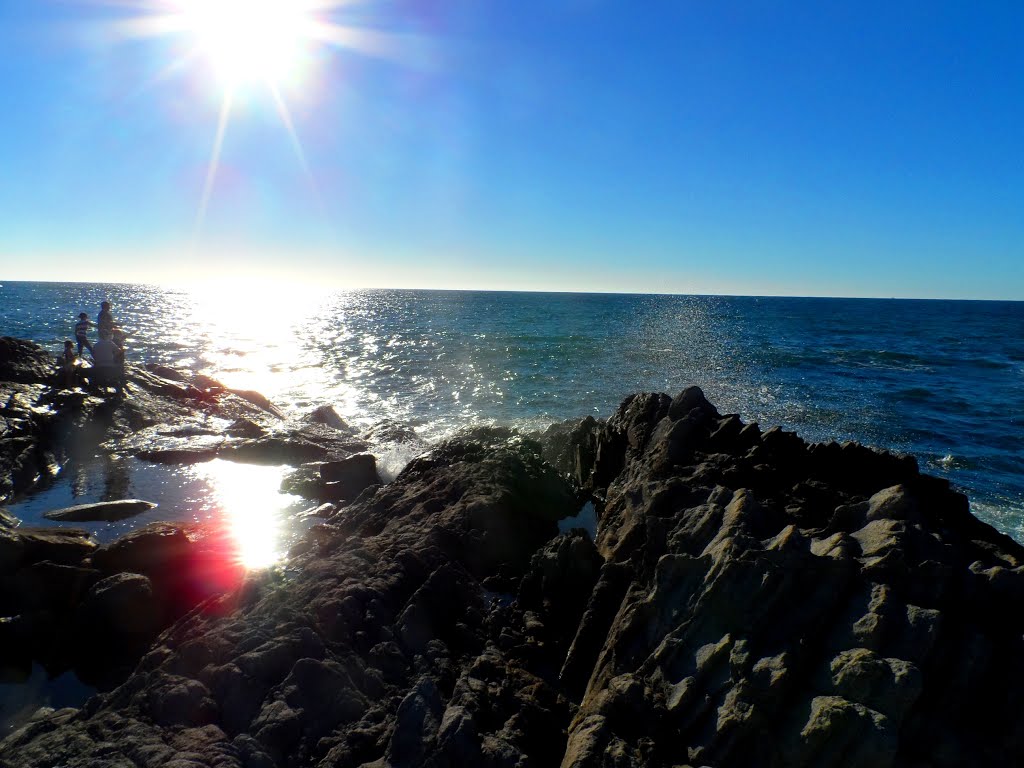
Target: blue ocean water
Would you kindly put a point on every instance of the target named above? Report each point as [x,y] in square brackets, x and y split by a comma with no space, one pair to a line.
[943,380]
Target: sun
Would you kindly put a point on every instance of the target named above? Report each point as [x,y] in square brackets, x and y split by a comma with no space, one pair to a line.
[256,51]
[249,41]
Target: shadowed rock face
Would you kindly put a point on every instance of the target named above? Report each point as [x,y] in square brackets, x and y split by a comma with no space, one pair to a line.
[750,600]
[23,362]
[67,603]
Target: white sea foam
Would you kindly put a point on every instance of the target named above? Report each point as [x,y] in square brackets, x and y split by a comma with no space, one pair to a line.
[392,458]
[1006,516]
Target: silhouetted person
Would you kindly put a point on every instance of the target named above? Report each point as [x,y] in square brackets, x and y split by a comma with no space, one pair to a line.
[119,337]
[105,320]
[107,364]
[68,359]
[82,333]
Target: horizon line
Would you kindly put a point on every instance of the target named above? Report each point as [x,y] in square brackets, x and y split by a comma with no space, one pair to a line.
[170,284]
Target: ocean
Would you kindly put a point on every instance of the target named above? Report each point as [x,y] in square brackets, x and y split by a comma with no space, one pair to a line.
[942,380]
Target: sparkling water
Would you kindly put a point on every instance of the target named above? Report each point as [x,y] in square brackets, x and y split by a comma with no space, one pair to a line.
[943,380]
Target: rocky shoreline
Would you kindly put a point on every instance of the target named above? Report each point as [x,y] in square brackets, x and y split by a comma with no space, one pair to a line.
[63,596]
[749,599]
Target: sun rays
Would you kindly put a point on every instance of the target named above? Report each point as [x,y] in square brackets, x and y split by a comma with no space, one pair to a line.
[258,49]
[211,168]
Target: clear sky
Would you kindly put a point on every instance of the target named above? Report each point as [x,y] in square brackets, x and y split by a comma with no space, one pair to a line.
[847,149]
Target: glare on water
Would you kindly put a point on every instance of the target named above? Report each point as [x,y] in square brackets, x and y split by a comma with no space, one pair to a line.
[250,329]
[251,508]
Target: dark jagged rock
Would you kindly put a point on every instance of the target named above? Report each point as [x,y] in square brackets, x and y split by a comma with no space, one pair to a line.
[70,604]
[23,362]
[259,400]
[166,372]
[304,481]
[119,617]
[27,545]
[156,548]
[557,586]
[293,445]
[571,446]
[749,600]
[752,631]
[245,428]
[365,668]
[186,565]
[28,429]
[387,431]
[325,414]
[347,478]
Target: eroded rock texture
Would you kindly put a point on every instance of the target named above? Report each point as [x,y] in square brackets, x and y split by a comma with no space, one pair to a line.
[791,605]
[750,600]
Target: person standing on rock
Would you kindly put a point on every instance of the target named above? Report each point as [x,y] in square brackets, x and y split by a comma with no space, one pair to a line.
[105,319]
[107,365]
[82,333]
[119,337]
[68,362]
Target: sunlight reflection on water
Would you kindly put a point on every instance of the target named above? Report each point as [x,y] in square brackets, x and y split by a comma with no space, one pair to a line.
[251,508]
[237,506]
[248,334]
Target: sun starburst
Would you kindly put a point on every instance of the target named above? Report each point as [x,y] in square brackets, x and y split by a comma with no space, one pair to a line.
[246,47]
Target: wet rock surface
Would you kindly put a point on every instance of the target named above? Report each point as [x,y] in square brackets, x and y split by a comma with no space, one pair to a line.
[750,600]
[26,421]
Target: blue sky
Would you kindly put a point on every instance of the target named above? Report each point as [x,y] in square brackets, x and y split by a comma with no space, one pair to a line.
[858,149]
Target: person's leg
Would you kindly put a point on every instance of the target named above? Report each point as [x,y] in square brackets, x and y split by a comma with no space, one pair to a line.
[101,377]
